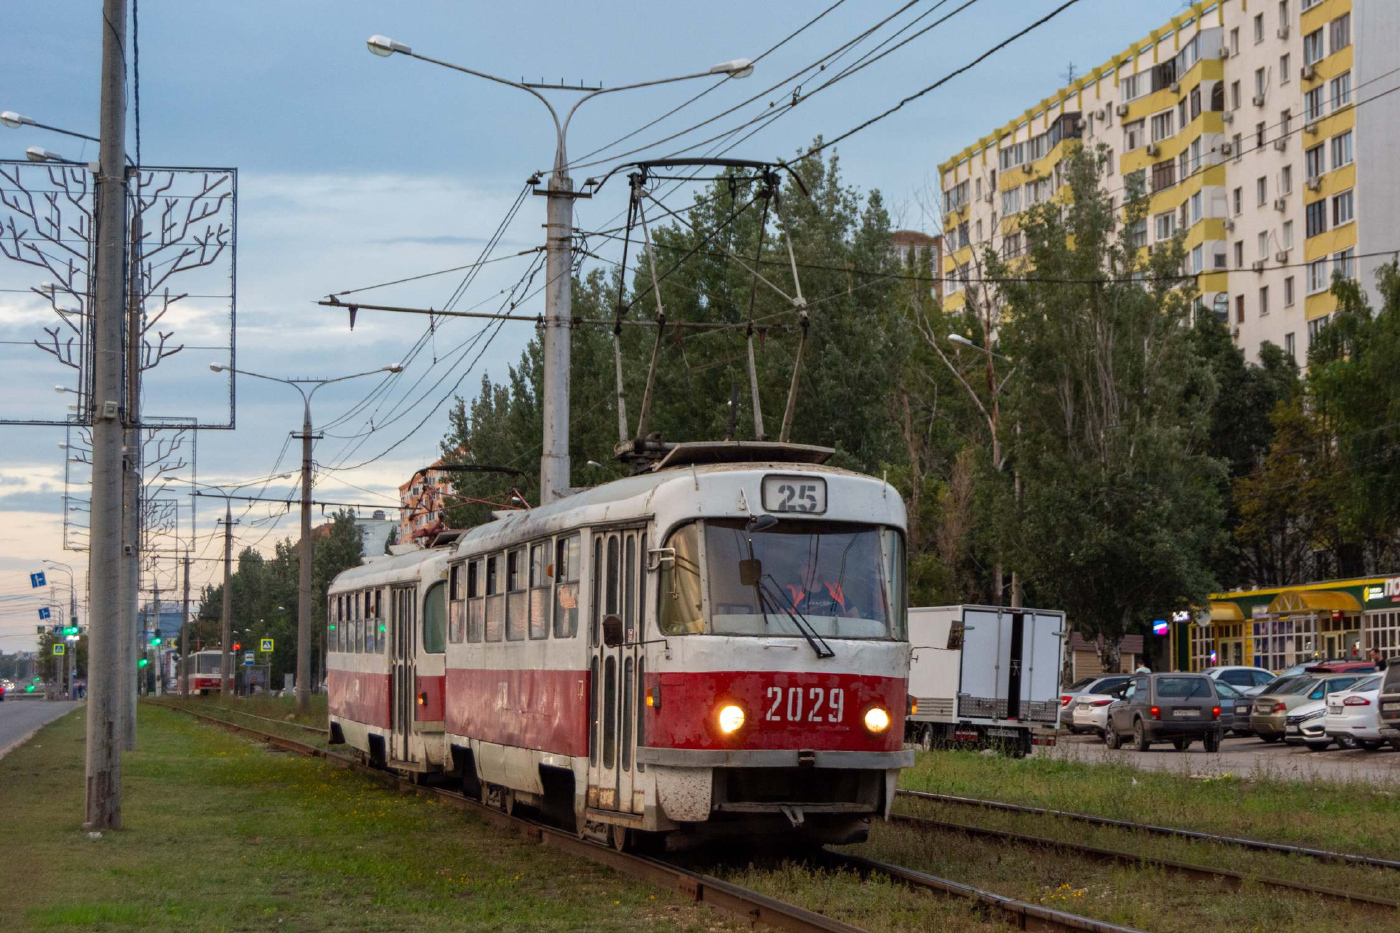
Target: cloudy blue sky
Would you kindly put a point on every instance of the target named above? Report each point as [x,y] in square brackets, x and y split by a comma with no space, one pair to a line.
[355,169]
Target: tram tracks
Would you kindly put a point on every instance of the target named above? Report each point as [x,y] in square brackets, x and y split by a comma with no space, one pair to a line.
[737,901]
[1257,845]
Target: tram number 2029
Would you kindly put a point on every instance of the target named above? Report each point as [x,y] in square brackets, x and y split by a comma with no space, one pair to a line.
[806,704]
[794,494]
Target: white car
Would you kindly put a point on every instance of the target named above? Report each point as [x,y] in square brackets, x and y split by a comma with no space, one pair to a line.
[1353,715]
[1100,686]
[1247,680]
[1089,711]
[1304,725]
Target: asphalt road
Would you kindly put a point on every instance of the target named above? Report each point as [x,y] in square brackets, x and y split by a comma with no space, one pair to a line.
[18,718]
[1242,757]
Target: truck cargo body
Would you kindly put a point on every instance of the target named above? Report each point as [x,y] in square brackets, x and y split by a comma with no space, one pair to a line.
[985,676]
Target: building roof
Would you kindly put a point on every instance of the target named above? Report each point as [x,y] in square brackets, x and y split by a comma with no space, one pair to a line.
[913,238]
[1128,644]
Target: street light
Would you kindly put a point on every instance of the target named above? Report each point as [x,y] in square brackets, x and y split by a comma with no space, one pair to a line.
[303,674]
[962,341]
[554,452]
[15,120]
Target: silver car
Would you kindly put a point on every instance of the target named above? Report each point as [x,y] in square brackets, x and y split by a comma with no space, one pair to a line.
[1247,680]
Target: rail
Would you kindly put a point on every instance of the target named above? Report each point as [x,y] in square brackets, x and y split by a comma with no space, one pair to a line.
[1236,878]
[1257,845]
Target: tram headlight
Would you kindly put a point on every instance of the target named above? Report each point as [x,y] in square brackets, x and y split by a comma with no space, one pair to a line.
[876,720]
[731,718]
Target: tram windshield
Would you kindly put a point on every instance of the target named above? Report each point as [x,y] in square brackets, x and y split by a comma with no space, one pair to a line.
[836,580]
[208,662]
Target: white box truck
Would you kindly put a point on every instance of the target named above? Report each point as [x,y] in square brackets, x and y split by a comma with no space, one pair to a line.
[985,675]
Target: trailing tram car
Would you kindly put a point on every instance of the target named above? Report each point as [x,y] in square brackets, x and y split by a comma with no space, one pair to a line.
[204,669]
[709,647]
[385,664]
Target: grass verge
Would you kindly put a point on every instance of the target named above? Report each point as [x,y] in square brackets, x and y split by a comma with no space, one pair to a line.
[223,835]
[1352,817]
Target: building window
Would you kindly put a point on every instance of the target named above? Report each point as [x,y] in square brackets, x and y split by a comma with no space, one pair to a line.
[1235,41]
[1264,300]
[1198,259]
[1343,210]
[1283,70]
[1343,262]
[1258,28]
[1238,198]
[1263,242]
[1011,201]
[1161,126]
[1195,102]
[1288,296]
[1239,254]
[1259,82]
[1283,14]
[1238,151]
[1259,135]
[1312,104]
[1340,29]
[1163,175]
[1315,162]
[1132,87]
[1239,309]
[1309,4]
[1261,190]
[1287,235]
[1196,202]
[1317,218]
[1132,135]
[1316,325]
[1285,180]
[1317,278]
[1137,234]
[1341,90]
[1165,225]
[1288,343]
[1312,47]
[1341,150]
[1234,95]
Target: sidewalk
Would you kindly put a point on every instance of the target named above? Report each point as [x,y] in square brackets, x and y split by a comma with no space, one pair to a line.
[221,834]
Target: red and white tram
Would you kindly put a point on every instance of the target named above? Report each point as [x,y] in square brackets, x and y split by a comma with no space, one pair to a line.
[707,648]
[204,669]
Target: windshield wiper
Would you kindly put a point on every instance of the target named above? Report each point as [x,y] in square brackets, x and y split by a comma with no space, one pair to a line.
[819,645]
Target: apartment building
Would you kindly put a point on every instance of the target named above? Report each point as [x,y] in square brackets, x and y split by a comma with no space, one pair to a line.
[423,503]
[1259,128]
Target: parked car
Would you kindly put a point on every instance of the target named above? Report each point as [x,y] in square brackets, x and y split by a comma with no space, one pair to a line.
[1248,680]
[1234,708]
[1390,704]
[1269,718]
[1353,715]
[1178,708]
[1088,712]
[1101,685]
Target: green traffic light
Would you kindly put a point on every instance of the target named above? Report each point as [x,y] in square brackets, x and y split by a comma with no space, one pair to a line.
[155,642]
[142,663]
[29,689]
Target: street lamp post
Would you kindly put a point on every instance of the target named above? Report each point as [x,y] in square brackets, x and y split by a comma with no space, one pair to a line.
[558,298]
[303,680]
[72,616]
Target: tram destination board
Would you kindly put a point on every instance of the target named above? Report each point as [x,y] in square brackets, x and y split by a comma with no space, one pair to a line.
[785,493]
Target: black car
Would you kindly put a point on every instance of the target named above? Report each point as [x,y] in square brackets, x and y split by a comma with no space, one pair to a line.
[1176,708]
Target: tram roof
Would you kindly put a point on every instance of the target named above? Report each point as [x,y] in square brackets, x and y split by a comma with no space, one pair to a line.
[380,570]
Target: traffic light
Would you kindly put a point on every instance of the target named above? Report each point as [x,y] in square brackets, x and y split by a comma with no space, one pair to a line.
[143,662]
[70,630]
[155,642]
[237,646]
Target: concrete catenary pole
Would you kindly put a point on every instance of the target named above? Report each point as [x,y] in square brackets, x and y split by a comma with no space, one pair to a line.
[305,554]
[131,495]
[558,324]
[102,806]
[185,634]
[226,668]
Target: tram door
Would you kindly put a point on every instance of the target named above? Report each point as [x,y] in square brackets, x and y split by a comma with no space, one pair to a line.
[619,571]
[403,636]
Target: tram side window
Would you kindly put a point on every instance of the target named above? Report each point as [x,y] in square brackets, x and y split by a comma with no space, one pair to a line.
[333,611]
[678,589]
[476,602]
[356,645]
[539,590]
[370,625]
[516,598]
[566,561]
[381,626]
[435,619]
[456,609]
[495,600]
[597,603]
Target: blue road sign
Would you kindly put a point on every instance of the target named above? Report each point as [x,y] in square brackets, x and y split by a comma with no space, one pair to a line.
[44,612]
[37,580]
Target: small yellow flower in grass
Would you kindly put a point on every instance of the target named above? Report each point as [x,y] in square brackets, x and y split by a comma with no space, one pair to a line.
[616,902]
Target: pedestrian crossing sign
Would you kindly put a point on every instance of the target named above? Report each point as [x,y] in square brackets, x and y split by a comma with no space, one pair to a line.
[266,646]
[58,650]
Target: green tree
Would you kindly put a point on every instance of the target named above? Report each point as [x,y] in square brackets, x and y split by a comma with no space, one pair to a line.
[1121,508]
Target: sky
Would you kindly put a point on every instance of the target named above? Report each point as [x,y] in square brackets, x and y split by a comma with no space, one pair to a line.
[354,170]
